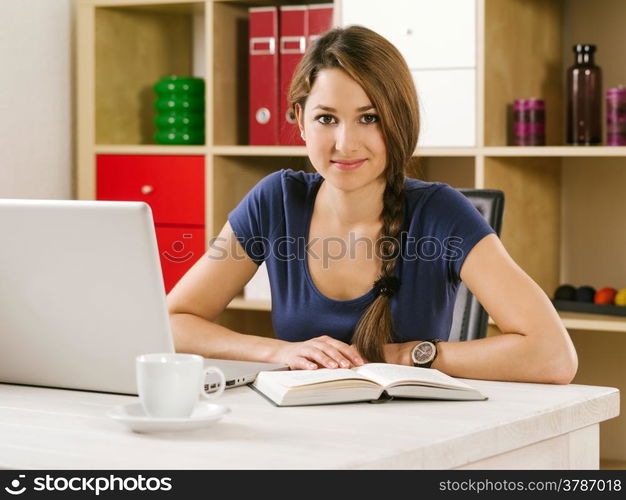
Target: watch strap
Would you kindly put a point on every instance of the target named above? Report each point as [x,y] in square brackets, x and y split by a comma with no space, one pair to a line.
[435,342]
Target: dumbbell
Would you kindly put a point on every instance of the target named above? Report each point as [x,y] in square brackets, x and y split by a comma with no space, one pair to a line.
[605,296]
[620,298]
[581,294]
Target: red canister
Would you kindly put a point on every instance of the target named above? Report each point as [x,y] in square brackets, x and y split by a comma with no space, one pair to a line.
[616,116]
[529,117]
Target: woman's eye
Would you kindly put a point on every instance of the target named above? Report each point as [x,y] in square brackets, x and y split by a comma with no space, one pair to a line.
[330,119]
[370,118]
[325,119]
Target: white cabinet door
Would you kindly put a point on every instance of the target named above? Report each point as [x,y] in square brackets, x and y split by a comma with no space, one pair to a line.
[438,40]
[447,107]
[428,33]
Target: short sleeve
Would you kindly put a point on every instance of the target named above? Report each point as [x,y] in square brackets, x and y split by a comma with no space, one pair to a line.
[256,216]
[457,224]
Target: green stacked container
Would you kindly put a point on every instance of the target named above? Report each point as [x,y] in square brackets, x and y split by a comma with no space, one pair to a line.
[180,110]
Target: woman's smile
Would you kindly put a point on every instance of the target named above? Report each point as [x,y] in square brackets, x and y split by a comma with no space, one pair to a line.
[348,164]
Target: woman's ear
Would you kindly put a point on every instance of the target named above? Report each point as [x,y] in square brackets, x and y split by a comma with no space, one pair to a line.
[299,118]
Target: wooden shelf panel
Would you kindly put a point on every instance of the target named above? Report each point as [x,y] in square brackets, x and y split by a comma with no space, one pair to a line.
[269,151]
[161,37]
[232,177]
[162,5]
[446,152]
[580,321]
[493,151]
[301,151]
[516,70]
[457,171]
[555,151]
[259,150]
[149,149]
[592,322]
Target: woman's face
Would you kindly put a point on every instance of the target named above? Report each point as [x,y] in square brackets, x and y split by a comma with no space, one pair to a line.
[342,130]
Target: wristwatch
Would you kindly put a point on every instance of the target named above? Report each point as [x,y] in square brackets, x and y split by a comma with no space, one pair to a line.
[424,353]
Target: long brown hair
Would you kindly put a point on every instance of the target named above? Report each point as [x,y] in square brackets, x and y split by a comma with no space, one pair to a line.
[375,64]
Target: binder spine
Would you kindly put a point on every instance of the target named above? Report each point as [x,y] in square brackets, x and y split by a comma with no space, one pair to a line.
[320,20]
[293,38]
[263,76]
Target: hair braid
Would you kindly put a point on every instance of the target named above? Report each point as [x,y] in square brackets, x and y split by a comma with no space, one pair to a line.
[375,327]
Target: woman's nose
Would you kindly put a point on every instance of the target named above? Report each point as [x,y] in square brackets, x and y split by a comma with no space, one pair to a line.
[347,138]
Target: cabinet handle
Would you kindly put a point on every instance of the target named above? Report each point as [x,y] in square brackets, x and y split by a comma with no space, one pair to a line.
[146,189]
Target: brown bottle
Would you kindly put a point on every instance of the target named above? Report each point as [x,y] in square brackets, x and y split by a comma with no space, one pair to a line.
[584,98]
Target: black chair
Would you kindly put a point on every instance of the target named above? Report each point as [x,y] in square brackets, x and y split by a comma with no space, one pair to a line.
[469,320]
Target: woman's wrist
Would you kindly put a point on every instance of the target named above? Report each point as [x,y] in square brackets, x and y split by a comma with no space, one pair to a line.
[406,356]
[399,353]
[277,351]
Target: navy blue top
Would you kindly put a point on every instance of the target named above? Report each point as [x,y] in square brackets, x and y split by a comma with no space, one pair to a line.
[441,226]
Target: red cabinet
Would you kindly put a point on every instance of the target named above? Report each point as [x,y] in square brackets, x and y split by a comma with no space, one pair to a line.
[179,249]
[173,186]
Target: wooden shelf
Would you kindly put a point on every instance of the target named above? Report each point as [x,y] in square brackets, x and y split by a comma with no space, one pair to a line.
[301,151]
[259,150]
[592,322]
[555,151]
[250,305]
[445,151]
[263,151]
[176,5]
[149,149]
[581,321]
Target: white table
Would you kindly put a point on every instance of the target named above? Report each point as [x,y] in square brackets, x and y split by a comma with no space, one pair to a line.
[521,426]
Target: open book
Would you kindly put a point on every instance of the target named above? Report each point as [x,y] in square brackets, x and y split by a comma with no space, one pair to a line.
[368,382]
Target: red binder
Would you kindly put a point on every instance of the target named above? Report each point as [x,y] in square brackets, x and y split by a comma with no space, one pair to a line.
[293,36]
[263,77]
[320,20]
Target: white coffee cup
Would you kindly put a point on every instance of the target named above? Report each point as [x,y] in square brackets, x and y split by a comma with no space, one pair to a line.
[169,384]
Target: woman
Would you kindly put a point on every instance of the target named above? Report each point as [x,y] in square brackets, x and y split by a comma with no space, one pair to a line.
[411,242]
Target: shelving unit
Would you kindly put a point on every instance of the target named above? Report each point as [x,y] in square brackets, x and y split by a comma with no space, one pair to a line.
[588,322]
[208,38]
[563,219]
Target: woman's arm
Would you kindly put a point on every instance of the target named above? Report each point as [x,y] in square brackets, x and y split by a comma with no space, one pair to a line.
[205,291]
[534,345]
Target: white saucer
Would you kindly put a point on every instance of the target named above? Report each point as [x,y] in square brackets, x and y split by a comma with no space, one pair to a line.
[135,418]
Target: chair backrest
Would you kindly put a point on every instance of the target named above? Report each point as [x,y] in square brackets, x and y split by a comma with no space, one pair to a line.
[469,319]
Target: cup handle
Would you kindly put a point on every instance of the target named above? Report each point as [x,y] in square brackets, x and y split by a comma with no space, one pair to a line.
[222,384]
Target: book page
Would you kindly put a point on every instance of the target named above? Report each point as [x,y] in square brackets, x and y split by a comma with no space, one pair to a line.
[297,378]
[388,374]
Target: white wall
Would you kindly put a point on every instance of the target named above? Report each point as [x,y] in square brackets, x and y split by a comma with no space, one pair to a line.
[36,145]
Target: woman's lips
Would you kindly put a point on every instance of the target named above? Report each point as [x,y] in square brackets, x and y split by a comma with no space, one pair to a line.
[341,165]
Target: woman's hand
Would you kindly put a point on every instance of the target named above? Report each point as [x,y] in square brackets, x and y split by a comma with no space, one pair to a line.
[324,352]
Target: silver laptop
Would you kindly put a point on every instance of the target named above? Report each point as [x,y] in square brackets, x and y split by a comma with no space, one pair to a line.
[82,294]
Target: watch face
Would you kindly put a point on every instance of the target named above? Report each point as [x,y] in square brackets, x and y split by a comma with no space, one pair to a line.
[424,352]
